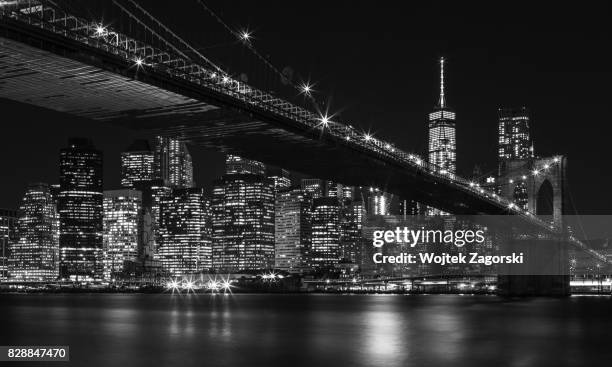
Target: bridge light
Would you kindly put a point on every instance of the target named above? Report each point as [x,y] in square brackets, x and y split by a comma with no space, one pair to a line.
[511,181]
[367,137]
[556,160]
[524,177]
[100,30]
[472,184]
[139,61]
[324,120]
[348,138]
[225,79]
[535,172]
[245,35]
[306,89]
[546,166]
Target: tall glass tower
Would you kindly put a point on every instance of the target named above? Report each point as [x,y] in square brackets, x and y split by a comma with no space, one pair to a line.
[442,141]
[185,232]
[137,163]
[8,233]
[122,229]
[35,255]
[243,218]
[173,163]
[80,211]
[514,139]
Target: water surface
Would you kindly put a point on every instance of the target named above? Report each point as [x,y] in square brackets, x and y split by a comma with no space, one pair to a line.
[311,330]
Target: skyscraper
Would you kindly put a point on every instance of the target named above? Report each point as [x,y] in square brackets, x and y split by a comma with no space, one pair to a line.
[122,226]
[35,254]
[185,232]
[351,235]
[243,217]
[442,142]
[80,210]
[325,249]
[173,162]
[281,179]
[515,144]
[314,186]
[8,233]
[292,231]
[153,193]
[514,138]
[137,163]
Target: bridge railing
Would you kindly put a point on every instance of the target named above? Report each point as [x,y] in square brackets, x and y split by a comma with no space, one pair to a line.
[144,56]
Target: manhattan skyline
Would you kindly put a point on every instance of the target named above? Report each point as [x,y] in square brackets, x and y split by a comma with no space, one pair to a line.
[484,72]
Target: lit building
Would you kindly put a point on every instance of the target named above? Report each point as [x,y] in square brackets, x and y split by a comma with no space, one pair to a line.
[122,228]
[292,231]
[8,233]
[235,164]
[351,234]
[318,188]
[313,186]
[153,193]
[513,133]
[80,211]
[281,179]
[185,232]
[325,249]
[243,218]
[442,141]
[35,254]
[137,163]
[173,163]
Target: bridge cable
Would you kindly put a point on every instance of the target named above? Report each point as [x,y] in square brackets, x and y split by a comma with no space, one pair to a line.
[161,25]
[250,46]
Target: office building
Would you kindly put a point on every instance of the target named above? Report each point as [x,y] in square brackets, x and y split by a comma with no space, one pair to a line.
[243,218]
[137,163]
[173,163]
[185,232]
[80,211]
[35,255]
[442,139]
[292,231]
[8,234]
[122,230]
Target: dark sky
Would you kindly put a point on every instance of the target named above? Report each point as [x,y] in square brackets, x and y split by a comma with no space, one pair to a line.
[376,63]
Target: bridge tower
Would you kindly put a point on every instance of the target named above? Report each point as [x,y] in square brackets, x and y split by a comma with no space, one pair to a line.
[538,185]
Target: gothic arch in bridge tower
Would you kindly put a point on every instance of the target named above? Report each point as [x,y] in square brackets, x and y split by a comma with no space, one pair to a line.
[544,199]
[545,191]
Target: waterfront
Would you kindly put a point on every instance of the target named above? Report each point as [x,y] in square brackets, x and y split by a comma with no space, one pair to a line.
[311,330]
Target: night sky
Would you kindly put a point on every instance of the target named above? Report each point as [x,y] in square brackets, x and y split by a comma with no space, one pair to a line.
[375,64]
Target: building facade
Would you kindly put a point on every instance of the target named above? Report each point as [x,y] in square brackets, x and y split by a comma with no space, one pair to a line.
[80,211]
[292,231]
[35,255]
[513,133]
[185,232]
[325,249]
[8,235]
[173,163]
[122,228]
[442,137]
[243,218]
[137,164]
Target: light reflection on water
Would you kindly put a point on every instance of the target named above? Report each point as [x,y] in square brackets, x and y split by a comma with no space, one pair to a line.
[311,330]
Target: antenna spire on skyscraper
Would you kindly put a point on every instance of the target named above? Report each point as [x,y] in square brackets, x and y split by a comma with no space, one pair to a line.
[442,102]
